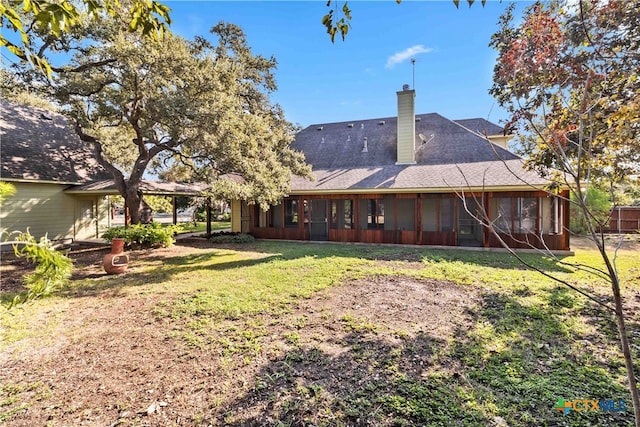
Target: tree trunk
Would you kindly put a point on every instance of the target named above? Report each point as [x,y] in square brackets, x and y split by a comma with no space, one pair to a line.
[139,211]
[624,343]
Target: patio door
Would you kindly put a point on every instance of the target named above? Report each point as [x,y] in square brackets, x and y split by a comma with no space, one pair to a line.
[319,226]
[469,229]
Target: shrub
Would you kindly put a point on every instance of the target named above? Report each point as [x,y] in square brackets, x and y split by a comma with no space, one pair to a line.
[52,271]
[144,235]
[232,237]
[223,217]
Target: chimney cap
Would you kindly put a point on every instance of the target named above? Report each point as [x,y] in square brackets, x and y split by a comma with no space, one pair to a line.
[405,87]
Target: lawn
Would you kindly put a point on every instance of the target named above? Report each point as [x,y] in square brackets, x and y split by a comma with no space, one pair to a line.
[201,227]
[277,333]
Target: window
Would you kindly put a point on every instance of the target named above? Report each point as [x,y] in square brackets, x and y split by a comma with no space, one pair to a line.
[406,214]
[275,219]
[504,216]
[341,214]
[375,214]
[87,210]
[437,214]
[517,214]
[291,213]
[446,215]
[259,216]
[526,215]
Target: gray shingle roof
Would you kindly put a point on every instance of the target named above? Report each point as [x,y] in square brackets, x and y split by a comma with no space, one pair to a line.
[481,126]
[448,155]
[441,178]
[39,145]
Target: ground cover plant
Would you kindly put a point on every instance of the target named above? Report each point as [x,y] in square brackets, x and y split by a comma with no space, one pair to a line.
[280,333]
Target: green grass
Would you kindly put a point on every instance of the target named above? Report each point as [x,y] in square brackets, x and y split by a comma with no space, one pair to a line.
[528,342]
[201,227]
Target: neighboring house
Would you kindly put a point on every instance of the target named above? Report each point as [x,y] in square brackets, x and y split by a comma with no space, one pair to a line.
[43,158]
[399,180]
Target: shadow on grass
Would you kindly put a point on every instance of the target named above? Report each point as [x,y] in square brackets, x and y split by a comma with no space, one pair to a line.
[525,357]
[94,284]
[365,380]
[170,267]
[508,365]
[372,252]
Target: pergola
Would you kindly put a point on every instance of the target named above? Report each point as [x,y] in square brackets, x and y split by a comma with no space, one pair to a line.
[152,188]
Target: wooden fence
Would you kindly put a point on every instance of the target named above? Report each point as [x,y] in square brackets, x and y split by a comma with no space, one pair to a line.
[624,219]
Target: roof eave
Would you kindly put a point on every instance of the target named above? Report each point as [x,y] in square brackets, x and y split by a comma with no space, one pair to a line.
[40,181]
[477,189]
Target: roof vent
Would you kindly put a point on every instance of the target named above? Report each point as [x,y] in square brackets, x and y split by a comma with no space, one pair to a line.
[418,119]
[365,149]
[350,125]
[320,127]
[361,125]
[45,117]
[381,122]
[322,140]
[349,138]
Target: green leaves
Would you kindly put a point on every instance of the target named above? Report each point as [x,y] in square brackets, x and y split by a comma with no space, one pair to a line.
[46,18]
[53,268]
[340,26]
[190,109]
[144,235]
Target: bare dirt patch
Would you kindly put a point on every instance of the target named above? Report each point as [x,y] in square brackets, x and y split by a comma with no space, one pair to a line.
[116,361]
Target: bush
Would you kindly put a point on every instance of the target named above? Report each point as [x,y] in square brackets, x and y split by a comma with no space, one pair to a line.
[232,237]
[223,217]
[144,235]
[52,271]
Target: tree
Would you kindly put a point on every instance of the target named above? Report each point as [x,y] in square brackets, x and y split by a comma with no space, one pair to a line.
[49,21]
[177,102]
[569,78]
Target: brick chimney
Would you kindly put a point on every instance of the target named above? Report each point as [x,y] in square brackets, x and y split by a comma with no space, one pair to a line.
[406,127]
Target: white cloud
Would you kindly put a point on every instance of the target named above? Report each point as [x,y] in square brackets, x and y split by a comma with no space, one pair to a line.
[402,56]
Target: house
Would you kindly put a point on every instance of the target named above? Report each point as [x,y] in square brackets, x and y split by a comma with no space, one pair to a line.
[43,158]
[62,190]
[407,179]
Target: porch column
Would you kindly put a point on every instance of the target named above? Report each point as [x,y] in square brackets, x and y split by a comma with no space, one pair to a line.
[175,210]
[208,217]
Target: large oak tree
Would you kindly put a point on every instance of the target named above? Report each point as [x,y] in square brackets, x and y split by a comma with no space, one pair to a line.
[169,102]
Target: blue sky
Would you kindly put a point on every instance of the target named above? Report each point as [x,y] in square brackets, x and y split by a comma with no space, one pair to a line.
[321,82]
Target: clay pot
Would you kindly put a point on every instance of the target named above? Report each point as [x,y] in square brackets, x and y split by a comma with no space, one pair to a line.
[116,262]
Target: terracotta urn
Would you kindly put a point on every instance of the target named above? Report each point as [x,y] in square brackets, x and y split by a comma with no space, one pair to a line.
[117,261]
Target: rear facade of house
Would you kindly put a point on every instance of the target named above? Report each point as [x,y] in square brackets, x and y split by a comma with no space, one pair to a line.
[412,179]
